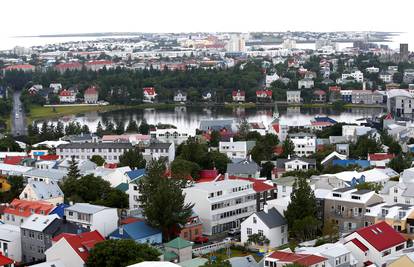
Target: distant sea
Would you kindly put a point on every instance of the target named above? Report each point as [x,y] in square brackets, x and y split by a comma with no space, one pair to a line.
[8,42]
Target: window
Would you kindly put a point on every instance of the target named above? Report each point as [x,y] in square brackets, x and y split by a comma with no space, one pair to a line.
[395,199]
[254,220]
[282,229]
[249,231]
[386,252]
[260,232]
[399,247]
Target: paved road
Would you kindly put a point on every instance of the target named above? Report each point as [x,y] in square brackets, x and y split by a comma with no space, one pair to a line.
[18,118]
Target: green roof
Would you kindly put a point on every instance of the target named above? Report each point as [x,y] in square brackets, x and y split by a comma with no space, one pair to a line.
[122,186]
[196,262]
[169,255]
[178,243]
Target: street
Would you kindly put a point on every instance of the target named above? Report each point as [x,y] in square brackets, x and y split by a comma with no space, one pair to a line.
[17,117]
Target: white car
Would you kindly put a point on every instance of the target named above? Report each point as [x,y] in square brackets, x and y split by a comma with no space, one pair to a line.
[17,115]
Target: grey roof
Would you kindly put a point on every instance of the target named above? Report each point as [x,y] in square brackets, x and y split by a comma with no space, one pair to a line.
[246,261]
[287,180]
[272,218]
[280,163]
[362,192]
[159,145]
[51,174]
[59,226]
[45,190]
[86,208]
[96,145]
[243,167]
[215,124]
[79,137]
[341,190]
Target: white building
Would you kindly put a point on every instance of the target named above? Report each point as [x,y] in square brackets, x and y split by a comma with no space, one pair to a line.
[10,242]
[222,205]
[400,102]
[236,149]
[271,78]
[236,44]
[148,94]
[170,135]
[386,77]
[293,96]
[305,144]
[49,192]
[358,76]
[268,223]
[180,97]
[372,70]
[114,176]
[93,217]
[306,83]
[66,96]
[160,150]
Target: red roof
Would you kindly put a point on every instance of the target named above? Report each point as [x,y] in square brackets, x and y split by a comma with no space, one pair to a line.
[49,157]
[111,165]
[260,186]
[265,93]
[99,62]
[319,92]
[359,244]
[207,175]
[149,90]
[380,156]
[388,117]
[321,123]
[13,160]
[4,260]
[334,89]
[69,65]
[19,67]
[25,208]
[130,220]
[381,236]
[91,91]
[65,92]
[276,127]
[81,243]
[278,150]
[238,92]
[301,259]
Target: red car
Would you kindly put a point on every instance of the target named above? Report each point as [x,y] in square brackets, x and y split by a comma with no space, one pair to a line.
[201,239]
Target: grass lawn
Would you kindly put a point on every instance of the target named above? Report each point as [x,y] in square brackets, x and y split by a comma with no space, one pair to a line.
[38,112]
[222,254]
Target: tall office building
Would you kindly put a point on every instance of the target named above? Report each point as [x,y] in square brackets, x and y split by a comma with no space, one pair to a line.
[236,44]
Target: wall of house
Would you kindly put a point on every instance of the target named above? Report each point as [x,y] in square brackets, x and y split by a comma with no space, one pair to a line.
[33,245]
[14,249]
[105,221]
[61,250]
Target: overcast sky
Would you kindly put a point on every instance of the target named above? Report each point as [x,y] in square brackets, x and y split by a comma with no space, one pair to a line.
[31,17]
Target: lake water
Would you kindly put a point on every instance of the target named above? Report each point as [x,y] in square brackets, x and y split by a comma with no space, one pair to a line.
[187,119]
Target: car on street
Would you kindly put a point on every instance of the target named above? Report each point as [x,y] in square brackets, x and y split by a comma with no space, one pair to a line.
[201,239]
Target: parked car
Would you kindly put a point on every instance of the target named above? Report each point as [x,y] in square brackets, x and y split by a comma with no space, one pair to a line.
[234,231]
[201,239]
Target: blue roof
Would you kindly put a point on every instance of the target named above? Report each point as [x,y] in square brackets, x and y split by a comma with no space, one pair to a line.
[136,230]
[59,210]
[325,119]
[135,174]
[347,162]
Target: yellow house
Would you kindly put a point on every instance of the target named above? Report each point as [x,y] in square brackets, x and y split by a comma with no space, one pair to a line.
[4,184]
[403,261]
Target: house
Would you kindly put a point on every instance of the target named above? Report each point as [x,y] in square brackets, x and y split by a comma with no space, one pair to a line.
[49,192]
[192,229]
[336,253]
[376,243]
[33,240]
[282,258]
[109,151]
[169,135]
[268,223]
[158,150]
[258,127]
[138,231]
[238,95]
[406,260]
[207,96]
[81,138]
[180,247]
[56,87]
[294,164]
[398,216]
[115,176]
[357,75]
[347,207]
[19,67]
[44,175]
[264,95]
[386,77]
[180,96]
[66,96]
[68,66]
[84,165]
[401,192]
[271,78]
[222,205]
[319,96]
[332,156]
[399,102]
[366,97]
[73,249]
[236,149]
[35,89]
[305,143]
[93,217]
[217,125]
[380,159]
[20,210]
[306,83]
[96,65]
[293,96]
[149,94]
[132,187]
[244,168]
[91,95]
[10,242]
[9,169]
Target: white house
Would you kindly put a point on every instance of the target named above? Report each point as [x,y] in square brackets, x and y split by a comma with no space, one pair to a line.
[149,94]
[93,217]
[306,83]
[160,150]
[386,77]
[295,164]
[114,176]
[49,192]
[236,149]
[56,87]
[293,96]
[10,241]
[66,96]
[305,143]
[372,69]
[336,253]
[222,205]
[238,95]
[271,78]
[268,223]
[377,243]
[169,135]
[180,96]
[358,76]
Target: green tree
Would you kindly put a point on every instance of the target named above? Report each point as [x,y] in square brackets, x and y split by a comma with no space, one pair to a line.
[369,186]
[267,169]
[288,148]
[162,199]
[132,126]
[214,139]
[181,169]
[99,129]
[120,253]
[400,163]
[8,144]
[215,159]
[132,158]
[98,160]
[73,171]
[144,127]
[120,127]
[243,129]
[17,186]
[331,230]
[217,263]
[365,144]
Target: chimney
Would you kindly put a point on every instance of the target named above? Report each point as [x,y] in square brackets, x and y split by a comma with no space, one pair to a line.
[289,156]
[226,176]
[231,139]
[121,230]
[265,208]
[364,85]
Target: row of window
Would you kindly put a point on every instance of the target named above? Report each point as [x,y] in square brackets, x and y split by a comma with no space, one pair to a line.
[78,150]
[233,202]
[233,213]
[32,234]
[38,249]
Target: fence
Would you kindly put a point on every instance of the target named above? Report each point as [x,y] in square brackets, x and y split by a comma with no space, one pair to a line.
[211,248]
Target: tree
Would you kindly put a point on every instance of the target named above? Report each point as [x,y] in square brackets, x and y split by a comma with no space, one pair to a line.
[214,139]
[16,183]
[400,163]
[181,169]
[99,129]
[144,127]
[98,160]
[369,186]
[217,263]
[8,144]
[330,229]
[288,148]
[120,127]
[162,199]
[73,171]
[365,144]
[243,129]
[215,159]
[132,158]
[132,127]
[267,169]
[121,253]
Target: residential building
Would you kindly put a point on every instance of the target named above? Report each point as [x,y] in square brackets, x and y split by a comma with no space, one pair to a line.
[386,77]
[10,243]
[306,83]
[294,164]
[408,76]
[319,96]
[268,223]
[293,96]
[66,96]
[338,254]
[56,87]
[109,151]
[96,65]
[160,150]
[180,96]
[271,78]
[222,205]
[236,149]
[20,210]
[192,229]
[138,231]
[217,125]
[132,189]
[115,176]
[398,216]
[282,258]
[236,44]
[347,207]
[170,135]
[73,249]
[93,217]
[264,95]
[358,76]
[372,69]
[71,66]
[305,143]
[243,168]
[49,192]
[406,260]
[376,243]
[367,97]
[400,102]
[149,94]
[238,95]
[91,95]
[6,261]
[44,175]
